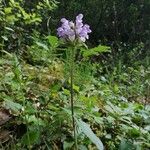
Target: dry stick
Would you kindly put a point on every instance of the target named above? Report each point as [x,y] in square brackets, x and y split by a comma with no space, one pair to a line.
[72,97]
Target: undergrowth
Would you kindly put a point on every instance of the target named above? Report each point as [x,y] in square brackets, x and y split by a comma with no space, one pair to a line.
[35,108]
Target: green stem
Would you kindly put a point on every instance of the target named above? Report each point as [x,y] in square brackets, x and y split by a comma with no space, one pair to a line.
[72,95]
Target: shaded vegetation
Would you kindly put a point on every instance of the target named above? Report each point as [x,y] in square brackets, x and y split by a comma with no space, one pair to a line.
[111,81]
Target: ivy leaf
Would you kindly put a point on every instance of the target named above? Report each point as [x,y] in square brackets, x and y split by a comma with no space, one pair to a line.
[89,133]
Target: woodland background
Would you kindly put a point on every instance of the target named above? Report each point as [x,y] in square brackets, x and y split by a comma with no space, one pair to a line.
[112,87]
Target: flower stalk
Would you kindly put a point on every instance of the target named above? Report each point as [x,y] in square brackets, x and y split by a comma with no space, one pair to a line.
[72,55]
[74,33]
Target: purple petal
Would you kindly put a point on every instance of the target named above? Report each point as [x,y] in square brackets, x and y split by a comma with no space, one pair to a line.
[70,30]
[64,20]
[79,17]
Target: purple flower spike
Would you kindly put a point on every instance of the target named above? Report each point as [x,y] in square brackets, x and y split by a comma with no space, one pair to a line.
[72,31]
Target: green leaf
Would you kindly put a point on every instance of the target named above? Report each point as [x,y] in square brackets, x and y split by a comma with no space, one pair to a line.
[31,137]
[8,10]
[11,19]
[89,133]
[9,29]
[42,45]
[53,40]
[12,105]
[125,145]
[5,38]
[147,128]
[96,51]
[134,132]
[67,145]
[34,119]
[76,88]
[67,92]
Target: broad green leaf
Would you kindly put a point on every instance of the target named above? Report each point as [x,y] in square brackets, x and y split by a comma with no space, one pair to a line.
[12,105]
[89,133]
[96,51]
[53,40]
[125,145]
